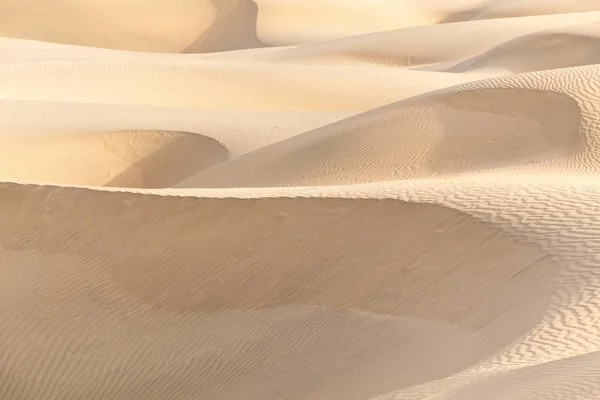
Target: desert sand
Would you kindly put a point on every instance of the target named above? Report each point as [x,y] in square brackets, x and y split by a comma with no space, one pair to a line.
[300,200]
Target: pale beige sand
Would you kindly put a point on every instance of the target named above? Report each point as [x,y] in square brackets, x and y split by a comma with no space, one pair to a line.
[327,200]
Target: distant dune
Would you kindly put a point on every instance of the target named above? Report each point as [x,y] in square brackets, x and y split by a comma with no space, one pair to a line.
[300,200]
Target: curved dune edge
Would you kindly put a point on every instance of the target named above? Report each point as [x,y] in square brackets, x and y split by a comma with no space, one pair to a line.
[535,8]
[530,123]
[234,28]
[240,131]
[223,25]
[578,45]
[137,25]
[90,225]
[446,43]
[256,274]
[143,159]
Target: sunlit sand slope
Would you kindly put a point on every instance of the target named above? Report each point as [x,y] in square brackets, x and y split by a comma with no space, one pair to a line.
[217,84]
[539,122]
[445,42]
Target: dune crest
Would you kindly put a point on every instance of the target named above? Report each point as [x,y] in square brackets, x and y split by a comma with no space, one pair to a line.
[527,129]
[217,277]
[537,51]
[143,159]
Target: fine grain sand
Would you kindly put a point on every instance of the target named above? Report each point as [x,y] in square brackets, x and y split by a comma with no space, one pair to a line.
[300,200]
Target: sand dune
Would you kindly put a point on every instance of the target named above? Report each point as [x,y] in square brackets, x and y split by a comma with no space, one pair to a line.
[236,199]
[143,25]
[446,42]
[219,85]
[537,51]
[122,159]
[217,273]
[511,8]
[521,129]
[131,25]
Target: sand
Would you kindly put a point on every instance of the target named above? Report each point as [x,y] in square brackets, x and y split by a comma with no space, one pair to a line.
[300,200]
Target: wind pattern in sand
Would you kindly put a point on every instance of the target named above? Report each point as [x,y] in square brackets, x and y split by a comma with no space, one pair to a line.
[299,200]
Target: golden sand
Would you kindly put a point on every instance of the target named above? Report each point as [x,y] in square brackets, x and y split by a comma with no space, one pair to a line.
[299,200]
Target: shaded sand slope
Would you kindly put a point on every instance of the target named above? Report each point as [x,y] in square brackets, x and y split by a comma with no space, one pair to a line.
[445,42]
[544,121]
[30,123]
[370,318]
[234,28]
[91,144]
[59,117]
[293,22]
[512,8]
[576,45]
[401,152]
[209,25]
[123,159]
[198,26]
[143,25]
[508,333]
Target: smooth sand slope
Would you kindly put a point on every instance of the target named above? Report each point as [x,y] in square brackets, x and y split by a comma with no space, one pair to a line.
[299,200]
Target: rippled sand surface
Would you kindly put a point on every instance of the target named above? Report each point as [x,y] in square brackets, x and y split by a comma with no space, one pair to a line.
[299,200]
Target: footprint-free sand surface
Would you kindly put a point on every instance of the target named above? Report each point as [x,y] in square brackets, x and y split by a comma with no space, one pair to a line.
[299,200]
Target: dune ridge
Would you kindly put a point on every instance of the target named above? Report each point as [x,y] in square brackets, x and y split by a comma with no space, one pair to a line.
[236,199]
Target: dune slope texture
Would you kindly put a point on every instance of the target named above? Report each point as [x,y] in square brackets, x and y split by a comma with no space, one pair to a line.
[300,200]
